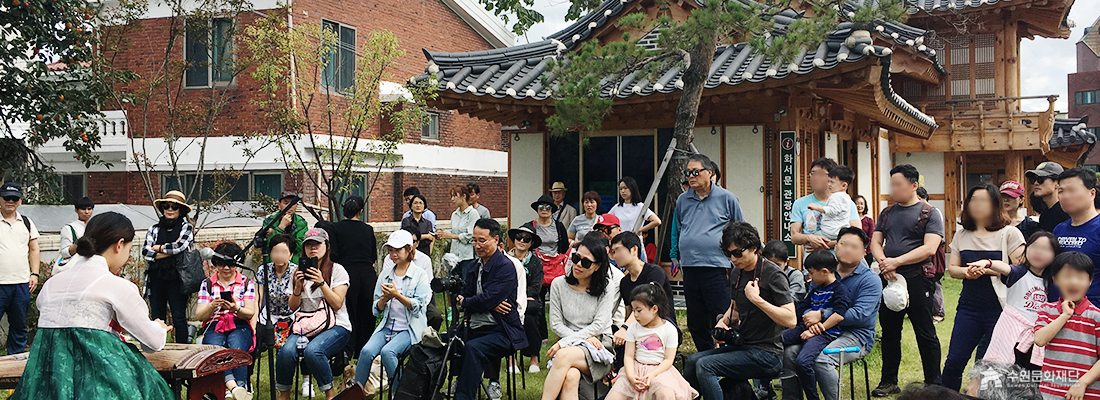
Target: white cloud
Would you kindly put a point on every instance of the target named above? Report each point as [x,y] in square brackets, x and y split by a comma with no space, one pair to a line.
[1044,63]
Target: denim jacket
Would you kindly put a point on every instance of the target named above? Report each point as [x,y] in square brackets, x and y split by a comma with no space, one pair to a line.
[416,285]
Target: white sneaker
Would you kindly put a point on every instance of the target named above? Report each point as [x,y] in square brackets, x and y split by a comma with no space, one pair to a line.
[229,395]
[240,393]
[514,370]
[534,369]
[307,389]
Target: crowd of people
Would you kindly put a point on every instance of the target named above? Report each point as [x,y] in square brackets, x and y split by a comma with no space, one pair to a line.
[1026,311]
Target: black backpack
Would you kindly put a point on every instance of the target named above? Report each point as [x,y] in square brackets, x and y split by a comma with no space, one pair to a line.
[421,370]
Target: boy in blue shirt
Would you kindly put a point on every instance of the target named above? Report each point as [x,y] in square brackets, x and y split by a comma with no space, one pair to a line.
[827,295]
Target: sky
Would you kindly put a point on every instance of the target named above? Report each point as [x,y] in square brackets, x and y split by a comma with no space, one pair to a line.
[1044,62]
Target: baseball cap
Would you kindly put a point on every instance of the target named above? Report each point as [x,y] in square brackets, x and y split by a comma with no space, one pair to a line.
[399,239]
[1012,188]
[606,220]
[316,235]
[288,193]
[11,189]
[1048,169]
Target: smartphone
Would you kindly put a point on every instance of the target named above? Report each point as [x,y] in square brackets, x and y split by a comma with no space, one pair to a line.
[227,296]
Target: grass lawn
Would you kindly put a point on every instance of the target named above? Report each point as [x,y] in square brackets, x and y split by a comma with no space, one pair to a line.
[910,370]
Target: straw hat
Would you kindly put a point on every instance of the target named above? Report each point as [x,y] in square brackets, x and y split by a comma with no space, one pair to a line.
[174,196]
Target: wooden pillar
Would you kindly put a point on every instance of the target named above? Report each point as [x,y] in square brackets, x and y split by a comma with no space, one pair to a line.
[1014,166]
[1012,60]
[952,196]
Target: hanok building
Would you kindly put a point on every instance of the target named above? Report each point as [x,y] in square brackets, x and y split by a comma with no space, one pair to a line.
[984,135]
[835,100]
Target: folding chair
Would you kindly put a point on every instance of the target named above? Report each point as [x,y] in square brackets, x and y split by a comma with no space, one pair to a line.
[851,372]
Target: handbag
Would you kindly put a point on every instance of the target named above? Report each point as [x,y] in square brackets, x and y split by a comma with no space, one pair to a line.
[189,267]
[312,323]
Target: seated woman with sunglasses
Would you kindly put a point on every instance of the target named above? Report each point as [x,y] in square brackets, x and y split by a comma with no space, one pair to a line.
[581,308]
[172,235]
[227,303]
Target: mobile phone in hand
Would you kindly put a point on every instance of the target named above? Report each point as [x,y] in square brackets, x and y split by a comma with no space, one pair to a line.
[227,296]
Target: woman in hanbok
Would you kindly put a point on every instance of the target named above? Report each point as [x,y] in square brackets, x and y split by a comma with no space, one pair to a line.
[78,351]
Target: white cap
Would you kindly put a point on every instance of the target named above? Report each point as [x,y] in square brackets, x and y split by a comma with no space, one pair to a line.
[896,294]
[400,238]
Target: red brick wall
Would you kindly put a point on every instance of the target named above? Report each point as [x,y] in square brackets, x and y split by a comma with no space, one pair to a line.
[437,190]
[120,187]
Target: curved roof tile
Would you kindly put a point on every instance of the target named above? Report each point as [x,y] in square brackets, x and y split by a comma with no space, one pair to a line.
[1071,131]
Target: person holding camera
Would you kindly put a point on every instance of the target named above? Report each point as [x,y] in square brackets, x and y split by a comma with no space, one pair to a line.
[751,329]
[489,301]
[227,302]
[321,324]
[400,298]
[581,308]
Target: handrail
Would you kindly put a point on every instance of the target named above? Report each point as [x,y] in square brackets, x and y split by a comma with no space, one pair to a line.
[1050,97]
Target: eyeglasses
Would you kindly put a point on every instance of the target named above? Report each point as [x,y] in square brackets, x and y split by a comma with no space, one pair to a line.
[583,262]
[524,238]
[693,172]
[169,206]
[11,198]
[544,207]
[733,253]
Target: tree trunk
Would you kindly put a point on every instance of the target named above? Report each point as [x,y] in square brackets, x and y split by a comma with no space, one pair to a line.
[695,77]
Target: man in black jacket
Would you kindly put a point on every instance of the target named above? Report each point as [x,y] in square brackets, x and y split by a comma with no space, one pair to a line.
[489,302]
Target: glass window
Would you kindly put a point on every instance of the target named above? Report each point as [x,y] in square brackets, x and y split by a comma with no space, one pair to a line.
[208,53]
[72,187]
[339,70]
[1088,97]
[430,128]
[237,189]
[270,185]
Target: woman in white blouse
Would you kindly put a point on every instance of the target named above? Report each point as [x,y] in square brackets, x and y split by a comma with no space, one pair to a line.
[631,207]
[78,351]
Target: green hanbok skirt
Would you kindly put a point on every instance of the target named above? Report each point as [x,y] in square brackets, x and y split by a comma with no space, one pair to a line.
[82,363]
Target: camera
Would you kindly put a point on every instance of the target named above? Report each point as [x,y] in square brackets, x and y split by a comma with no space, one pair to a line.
[730,336]
[450,284]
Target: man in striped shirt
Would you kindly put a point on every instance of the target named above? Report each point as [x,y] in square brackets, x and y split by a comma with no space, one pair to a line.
[1069,330]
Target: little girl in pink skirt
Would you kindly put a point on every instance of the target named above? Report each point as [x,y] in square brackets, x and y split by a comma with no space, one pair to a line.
[651,343]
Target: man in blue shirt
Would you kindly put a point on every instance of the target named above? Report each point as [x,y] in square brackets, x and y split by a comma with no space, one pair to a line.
[819,183]
[864,290]
[701,214]
[1081,232]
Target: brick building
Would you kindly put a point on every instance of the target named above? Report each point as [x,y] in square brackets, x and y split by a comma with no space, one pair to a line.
[450,148]
[1084,85]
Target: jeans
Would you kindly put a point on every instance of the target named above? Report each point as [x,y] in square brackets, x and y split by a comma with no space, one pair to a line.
[240,339]
[806,361]
[704,369]
[706,294]
[14,301]
[920,315]
[316,354]
[390,347]
[825,367]
[481,345]
[971,329]
[164,294]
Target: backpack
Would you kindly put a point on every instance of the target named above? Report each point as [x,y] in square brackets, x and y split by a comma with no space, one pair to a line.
[421,370]
[937,265]
[27,223]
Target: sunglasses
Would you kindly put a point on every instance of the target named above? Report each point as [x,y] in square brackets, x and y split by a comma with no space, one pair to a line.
[693,172]
[169,206]
[524,238]
[11,198]
[733,253]
[606,228]
[543,207]
[1039,180]
[583,262]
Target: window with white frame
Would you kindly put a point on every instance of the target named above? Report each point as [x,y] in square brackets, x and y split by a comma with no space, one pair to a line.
[339,73]
[209,53]
[430,128]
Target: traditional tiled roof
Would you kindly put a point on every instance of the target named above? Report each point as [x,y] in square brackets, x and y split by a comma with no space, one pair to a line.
[516,71]
[1071,131]
[943,5]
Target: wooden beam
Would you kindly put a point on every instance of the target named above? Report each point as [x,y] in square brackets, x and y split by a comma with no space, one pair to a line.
[952,202]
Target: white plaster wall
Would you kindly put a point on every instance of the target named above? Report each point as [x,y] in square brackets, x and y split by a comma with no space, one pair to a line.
[707,144]
[885,162]
[865,165]
[744,171]
[526,172]
[831,146]
[930,166]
